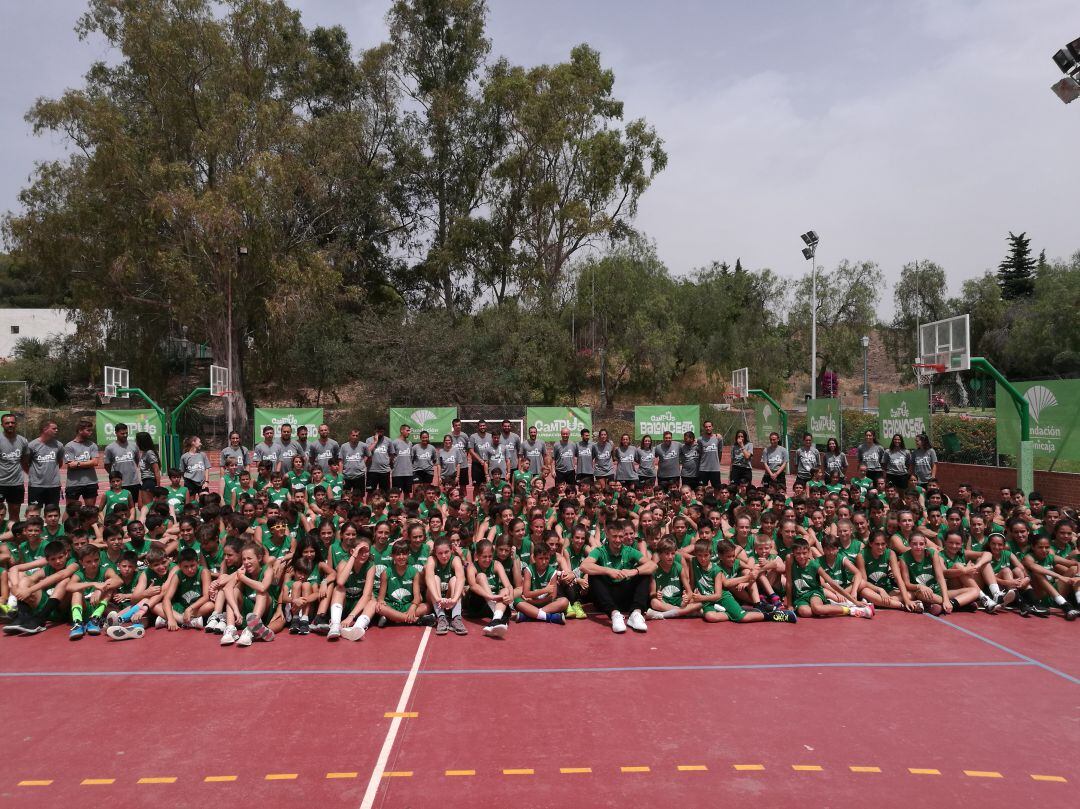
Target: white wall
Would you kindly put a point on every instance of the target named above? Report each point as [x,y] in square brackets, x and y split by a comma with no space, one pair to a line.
[40,324]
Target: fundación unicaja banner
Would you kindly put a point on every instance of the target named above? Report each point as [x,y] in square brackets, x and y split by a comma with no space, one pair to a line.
[438,421]
[1054,408]
[767,420]
[907,413]
[137,421]
[550,422]
[310,417]
[655,420]
[823,419]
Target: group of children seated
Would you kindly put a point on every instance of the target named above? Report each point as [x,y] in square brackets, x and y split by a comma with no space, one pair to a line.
[251,563]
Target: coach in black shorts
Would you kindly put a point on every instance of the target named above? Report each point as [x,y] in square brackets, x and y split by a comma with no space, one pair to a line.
[13,465]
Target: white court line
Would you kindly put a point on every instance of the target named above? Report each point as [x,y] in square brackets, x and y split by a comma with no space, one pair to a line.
[391,733]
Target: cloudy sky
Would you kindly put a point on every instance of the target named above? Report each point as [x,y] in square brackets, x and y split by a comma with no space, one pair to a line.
[901,129]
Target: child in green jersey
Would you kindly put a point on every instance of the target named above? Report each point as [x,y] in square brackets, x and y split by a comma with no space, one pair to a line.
[739,579]
[444,580]
[670,594]
[40,583]
[400,598]
[1007,569]
[489,587]
[542,598]
[114,495]
[923,574]
[842,570]
[769,568]
[187,600]
[153,582]
[90,588]
[354,593]
[1054,579]
[970,569]
[706,579]
[225,577]
[125,618]
[806,579]
[250,599]
[879,570]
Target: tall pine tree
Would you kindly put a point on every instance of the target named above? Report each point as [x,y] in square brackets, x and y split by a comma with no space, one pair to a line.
[1016,273]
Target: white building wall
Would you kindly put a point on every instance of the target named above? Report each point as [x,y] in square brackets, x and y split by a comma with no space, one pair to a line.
[40,324]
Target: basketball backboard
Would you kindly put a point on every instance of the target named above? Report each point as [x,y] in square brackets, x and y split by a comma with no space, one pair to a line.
[946,343]
[116,378]
[740,383]
[220,380]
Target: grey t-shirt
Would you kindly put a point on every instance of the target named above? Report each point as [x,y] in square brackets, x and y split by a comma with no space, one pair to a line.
[285,453]
[923,461]
[11,455]
[423,458]
[448,462]
[835,463]
[265,452]
[320,454]
[873,455]
[194,466]
[667,456]
[647,463]
[564,455]
[624,463]
[460,443]
[146,465]
[495,457]
[898,460]
[477,442]
[688,458]
[737,457]
[352,460]
[243,457]
[380,455]
[774,457]
[710,449]
[511,444]
[77,452]
[123,458]
[45,461]
[602,460]
[585,458]
[806,461]
[402,458]
[535,452]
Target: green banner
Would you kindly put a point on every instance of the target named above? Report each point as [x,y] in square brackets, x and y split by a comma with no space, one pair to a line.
[767,420]
[1054,406]
[654,420]
[823,420]
[438,421]
[137,421]
[550,421]
[310,417]
[906,413]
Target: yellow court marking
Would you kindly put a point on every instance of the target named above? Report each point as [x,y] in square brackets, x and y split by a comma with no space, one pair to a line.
[916,771]
[219,779]
[807,767]
[389,774]
[171,779]
[344,774]
[401,715]
[744,767]
[865,769]
[461,772]
[1056,778]
[280,776]
[983,774]
[34,783]
[634,769]
[519,772]
[691,767]
[574,770]
[91,782]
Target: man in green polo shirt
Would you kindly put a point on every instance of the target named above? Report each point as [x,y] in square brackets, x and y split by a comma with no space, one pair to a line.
[619,578]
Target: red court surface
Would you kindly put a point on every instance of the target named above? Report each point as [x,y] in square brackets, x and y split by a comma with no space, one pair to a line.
[843,712]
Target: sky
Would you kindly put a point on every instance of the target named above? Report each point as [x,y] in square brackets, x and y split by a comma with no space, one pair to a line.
[921,129]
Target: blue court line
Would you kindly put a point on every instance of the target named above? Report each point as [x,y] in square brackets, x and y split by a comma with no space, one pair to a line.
[582,670]
[1029,660]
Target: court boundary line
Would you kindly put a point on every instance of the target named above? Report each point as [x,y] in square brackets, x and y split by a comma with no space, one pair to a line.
[414,673]
[391,733]
[1002,647]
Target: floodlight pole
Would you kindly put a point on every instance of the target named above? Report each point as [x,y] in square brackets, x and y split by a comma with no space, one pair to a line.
[1024,462]
[813,322]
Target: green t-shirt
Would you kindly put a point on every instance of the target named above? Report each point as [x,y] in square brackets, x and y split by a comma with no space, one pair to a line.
[541,578]
[805,580]
[399,587]
[669,584]
[921,572]
[114,499]
[188,588]
[703,579]
[878,571]
[838,570]
[627,558]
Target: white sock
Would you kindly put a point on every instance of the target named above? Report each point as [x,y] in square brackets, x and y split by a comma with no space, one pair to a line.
[672,613]
[497,612]
[12,601]
[335,614]
[541,615]
[995,589]
[364,622]
[1059,601]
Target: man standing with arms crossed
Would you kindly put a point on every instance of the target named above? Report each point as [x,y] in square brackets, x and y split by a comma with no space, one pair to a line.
[45,456]
[353,463]
[323,449]
[710,446]
[536,451]
[287,449]
[80,458]
[460,442]
[122,457]
[566,456]
[511,444]
[477,443]
[667,462]
[13,466]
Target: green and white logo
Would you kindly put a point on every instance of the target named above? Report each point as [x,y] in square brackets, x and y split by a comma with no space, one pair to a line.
[1039,398]
[655,420]
[1054,407]
[906,413]
[823,419]
[551,421]
[437,421]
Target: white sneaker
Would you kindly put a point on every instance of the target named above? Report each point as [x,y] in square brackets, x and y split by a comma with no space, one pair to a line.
[245,638]
[334,633]
[160,623]
[636,622]
[229,636]
[354,632]
[196,623]
[496,630]
[618,623]
[863,612]
[213,623]
[654,615]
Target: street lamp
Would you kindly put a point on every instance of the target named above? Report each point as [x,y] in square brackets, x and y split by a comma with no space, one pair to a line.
[865,376]
[810,239]
[1068,61]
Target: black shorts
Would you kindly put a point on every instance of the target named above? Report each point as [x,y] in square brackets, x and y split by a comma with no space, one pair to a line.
[741,474]
[478,473]
[585,478]
[462,477]
[45,495]
[423,477]
[403,482]
[13,495]
[569,478]
[667,483]
[357,484]
[194,487]
[899,481]
[710,479]
[87,491]
[781,481]
[134,490]
[378,480]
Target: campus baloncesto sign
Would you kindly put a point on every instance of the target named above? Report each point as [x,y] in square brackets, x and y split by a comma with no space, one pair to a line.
[906,413]
[655,420]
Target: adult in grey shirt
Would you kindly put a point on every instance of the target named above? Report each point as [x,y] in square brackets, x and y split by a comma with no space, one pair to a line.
[267,449]
[353,456]
[401,476]
[460,443]
[447,459]
[742,451]
[13,464]
[481,438]
[585,466]
[286,449]
[46,456]
[381,453]
[807,459]
[494,457]
[898,463]
[626,457]
[602,450]
[122,456]
[709,447]
[80,458]
[689,457]
[924,459]
[647,461]
[423,459]
[871,453]
[194,464]
[566,458]
[235,450]
[834,460]
[775,460]
[323,449]
[667,460]
[511,444]
[536,451]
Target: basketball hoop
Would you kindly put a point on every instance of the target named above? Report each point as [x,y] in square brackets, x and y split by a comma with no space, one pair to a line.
[926,371]
[104,398]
